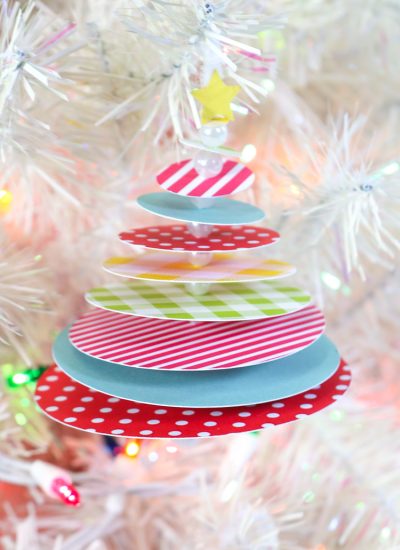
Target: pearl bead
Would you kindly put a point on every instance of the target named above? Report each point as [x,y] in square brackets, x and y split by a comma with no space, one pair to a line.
[214,136]
[207,164]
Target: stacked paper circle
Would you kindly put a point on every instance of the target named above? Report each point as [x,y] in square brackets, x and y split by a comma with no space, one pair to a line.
[203,336]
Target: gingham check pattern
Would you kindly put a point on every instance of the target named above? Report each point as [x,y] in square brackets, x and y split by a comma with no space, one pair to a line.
[225,302]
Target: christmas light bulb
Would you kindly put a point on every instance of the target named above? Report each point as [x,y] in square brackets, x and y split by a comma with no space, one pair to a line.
[55,482]
[6,198]
[65,491]
[132,448]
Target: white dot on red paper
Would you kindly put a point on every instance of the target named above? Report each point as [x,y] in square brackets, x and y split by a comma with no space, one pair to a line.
[174,433]
[52,378]
[203,434]
[125,421]
[133,411]
[112,400]
[38,397]
[181,422]
[60,398]
[310,396]
[244,414]
[210,423]
[69,388]
[278,405]
[106,410]
[306,406]
[273,415]
[267,425]
[91,430]
[238,424]
[216,413]
[160,411]
[301,415]
[52,408]
[346,367]
[117,432]
[345,377]
[70,419]
[187,413]
[341,387]
[78,409]
[254,242]
[336,397]
[87,399]
[153,421]
[43,387]
[146,432]
[97,420]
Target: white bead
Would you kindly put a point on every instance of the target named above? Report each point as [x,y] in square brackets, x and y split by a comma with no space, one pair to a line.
[207,164]
[214,136]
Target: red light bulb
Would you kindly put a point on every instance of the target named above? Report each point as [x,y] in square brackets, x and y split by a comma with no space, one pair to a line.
[65,491]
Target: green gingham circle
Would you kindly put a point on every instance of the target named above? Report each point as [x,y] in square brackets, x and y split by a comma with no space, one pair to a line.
[224,302]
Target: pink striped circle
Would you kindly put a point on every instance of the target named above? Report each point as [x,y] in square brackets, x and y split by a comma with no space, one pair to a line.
[183,179]
[184,345]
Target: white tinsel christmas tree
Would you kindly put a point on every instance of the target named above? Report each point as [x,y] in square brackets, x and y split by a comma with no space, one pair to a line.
[94,100]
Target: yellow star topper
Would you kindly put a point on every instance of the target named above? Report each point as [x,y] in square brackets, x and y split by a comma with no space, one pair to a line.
[216,99]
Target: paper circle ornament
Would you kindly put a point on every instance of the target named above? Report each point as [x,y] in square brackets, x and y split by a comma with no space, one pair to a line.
[221,388]
[222,212]
[226,302]
[183,345]
[75,405]
[177,238]
[223,268]
[183,179]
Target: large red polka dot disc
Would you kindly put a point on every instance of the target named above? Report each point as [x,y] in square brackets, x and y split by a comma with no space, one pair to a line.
[75,405]
[178,238]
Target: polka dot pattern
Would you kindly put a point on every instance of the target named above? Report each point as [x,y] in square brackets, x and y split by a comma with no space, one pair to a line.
[178,238]
[129,419]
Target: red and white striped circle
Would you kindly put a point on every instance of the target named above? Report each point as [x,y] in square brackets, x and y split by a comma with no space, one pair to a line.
[183,179]
[75,405]
[178,238]
[184,345]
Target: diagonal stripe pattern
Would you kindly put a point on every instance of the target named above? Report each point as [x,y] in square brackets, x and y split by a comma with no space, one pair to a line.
[183,179]
[183,345]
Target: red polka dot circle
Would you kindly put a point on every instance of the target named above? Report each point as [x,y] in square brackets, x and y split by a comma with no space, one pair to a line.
[73,404]
[178,238]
